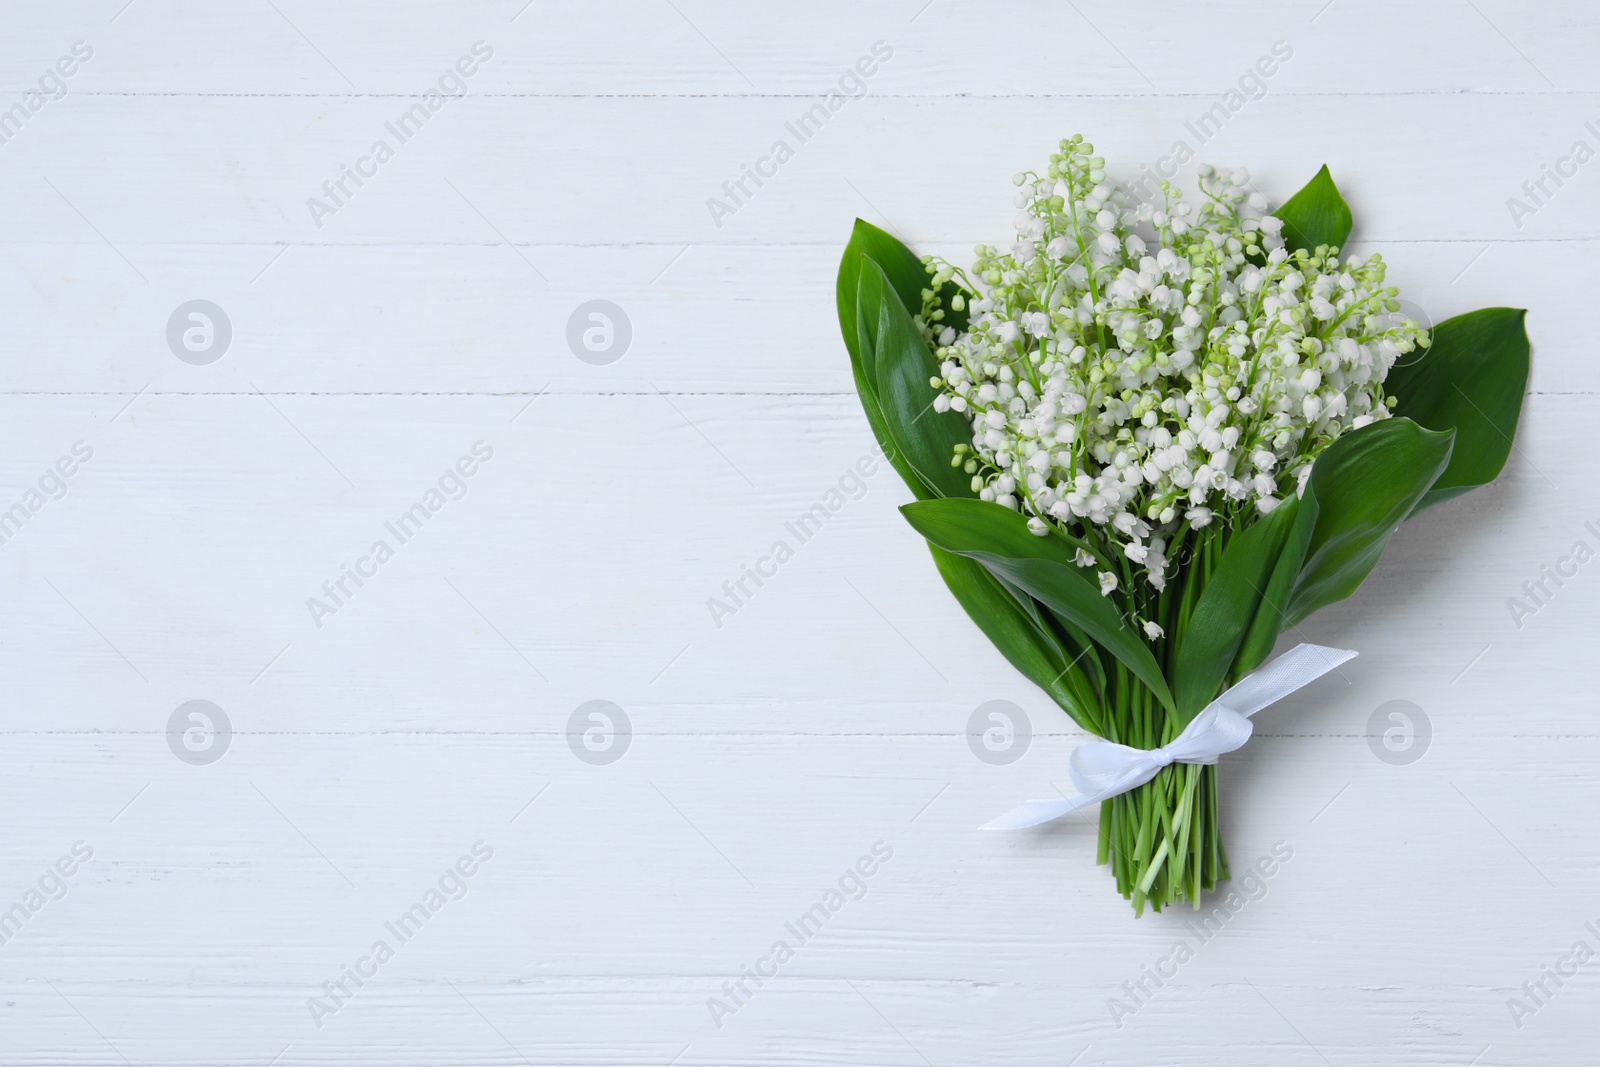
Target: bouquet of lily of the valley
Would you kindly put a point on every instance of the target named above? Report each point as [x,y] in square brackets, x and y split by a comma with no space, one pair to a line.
[1148,438]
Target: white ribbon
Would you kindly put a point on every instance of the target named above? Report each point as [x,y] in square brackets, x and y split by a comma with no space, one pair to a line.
[1102,769]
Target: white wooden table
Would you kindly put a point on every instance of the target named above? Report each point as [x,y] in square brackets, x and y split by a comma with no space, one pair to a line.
[762,753]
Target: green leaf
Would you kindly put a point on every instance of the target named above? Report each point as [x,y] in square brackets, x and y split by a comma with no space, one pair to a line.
[868,240]
[1226,609]
[1471,379]
[862,368]
[1037,655]
[1084,652]
[999,538]
[859,324]
[1071,638]
[1365,484]
[1316,215]
[1075,643]
[906,274]
[1270,616]
[903,366]
[1025,601]
[880,430]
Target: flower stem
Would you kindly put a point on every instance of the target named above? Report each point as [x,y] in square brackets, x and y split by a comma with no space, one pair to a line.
[1162,839]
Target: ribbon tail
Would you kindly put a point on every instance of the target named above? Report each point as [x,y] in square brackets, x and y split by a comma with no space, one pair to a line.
[1296,668]
[1039,812]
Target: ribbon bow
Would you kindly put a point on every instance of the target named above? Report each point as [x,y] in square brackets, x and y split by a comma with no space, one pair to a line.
[1102,769]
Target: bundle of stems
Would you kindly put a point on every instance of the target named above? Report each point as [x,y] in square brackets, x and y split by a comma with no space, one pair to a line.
[1162,839]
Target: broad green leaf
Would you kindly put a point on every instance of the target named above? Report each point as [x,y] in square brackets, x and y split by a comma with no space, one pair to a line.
[1085,653]
[909,278]
[880,430]
[1227,607]
[903,366]
[999,538]
[1077,644]
[1081,650]
[905,272]
[1471,379]
[1269,621]
[1025,601]
[1365,484]
[1034,653]
[1316,215]
[862,368]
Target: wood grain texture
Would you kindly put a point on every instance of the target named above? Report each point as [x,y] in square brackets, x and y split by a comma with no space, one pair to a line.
[770,748]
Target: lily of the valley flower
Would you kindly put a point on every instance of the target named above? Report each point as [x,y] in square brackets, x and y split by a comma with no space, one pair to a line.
[1133,370]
